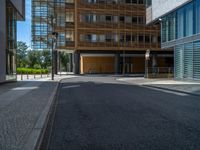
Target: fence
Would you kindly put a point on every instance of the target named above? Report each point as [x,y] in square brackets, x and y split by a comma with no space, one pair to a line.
[160,72]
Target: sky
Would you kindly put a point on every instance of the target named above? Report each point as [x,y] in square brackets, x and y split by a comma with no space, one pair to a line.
[24,27]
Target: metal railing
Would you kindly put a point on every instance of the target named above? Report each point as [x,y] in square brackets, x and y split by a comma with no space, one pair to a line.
[160,72]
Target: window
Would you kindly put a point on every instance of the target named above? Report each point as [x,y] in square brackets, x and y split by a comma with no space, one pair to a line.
[121,19]
[189,20]
[128,1]
[141,38]
[141,20]
[180,23]
[147,39]
[134,20]
[69,17]
[108,37]
[128,19]
[128,38]
[69,36]
[197,17]
[108,18]
[140,1]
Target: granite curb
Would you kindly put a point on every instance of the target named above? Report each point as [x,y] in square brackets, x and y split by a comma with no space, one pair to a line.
[35,139]
[173,90]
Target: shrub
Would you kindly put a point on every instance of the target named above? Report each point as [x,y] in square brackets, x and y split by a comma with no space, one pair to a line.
[32,71]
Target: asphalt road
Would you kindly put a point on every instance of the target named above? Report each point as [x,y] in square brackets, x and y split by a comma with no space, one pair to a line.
[99,113]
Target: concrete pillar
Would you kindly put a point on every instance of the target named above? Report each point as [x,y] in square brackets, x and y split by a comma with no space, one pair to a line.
[117,63]
[76,67]
[154,60]
[154,64]
[71,62]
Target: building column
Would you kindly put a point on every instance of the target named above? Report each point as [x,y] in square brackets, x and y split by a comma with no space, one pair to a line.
[154,64]
[76,67]
[154,60]
[117,63]
[71,62]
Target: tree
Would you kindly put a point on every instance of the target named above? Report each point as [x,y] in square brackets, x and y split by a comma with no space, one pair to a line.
[46,59]
[34,59]
[64,58]
[22,50]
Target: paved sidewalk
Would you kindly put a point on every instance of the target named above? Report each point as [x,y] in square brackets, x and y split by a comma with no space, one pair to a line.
[189,87]
[24,107]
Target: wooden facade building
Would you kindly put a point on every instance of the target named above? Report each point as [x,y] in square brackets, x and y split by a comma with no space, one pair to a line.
[105,36]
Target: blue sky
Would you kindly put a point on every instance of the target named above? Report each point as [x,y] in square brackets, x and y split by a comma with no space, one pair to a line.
[24,28]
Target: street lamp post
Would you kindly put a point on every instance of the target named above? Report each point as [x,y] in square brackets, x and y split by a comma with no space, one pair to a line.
[54,36]
[147,57]
[54,39]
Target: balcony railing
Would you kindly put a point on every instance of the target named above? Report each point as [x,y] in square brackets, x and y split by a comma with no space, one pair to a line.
[118,44]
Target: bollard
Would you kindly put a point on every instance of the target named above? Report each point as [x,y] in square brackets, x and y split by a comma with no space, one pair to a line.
[27,75]
[34,76]
[21,76]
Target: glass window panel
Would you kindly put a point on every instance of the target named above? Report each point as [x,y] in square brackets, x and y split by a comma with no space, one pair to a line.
[189,20]
[180,22]
[197,16]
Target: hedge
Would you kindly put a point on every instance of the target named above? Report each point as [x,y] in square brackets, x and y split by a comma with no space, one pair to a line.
[32,71]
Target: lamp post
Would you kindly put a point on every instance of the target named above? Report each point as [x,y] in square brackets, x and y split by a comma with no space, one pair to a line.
[54,39]
[54,36]
[147,57]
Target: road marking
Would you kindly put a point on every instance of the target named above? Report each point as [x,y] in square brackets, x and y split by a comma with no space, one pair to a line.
[167,91]
[24,88]
[71,86]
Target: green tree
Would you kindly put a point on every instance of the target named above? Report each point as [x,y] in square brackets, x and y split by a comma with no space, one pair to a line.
[34,59]
[64,58]
[46,59]
[22,50]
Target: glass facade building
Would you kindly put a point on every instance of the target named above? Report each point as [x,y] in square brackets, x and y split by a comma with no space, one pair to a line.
[181,30]
[11,11]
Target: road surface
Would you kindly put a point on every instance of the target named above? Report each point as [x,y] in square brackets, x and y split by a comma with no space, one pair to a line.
[100,113]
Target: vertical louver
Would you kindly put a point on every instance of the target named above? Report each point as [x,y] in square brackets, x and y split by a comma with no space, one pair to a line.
[179,61]
[197,60]
[188,61]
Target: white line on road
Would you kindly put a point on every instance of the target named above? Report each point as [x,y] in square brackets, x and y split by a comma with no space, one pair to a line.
[167,91]
[71,86]
[24,88]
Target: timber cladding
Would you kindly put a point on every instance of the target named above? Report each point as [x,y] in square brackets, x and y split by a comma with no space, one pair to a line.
[93,65]
[94,24]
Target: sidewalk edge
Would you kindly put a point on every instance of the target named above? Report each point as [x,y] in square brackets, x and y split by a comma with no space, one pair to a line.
[179,91]
[35,139]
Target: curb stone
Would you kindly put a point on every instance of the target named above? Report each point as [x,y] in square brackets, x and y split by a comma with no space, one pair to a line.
[35,139]
[184,92]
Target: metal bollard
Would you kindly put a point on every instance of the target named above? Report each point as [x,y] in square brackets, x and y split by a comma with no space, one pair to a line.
[27,75]
[21,76]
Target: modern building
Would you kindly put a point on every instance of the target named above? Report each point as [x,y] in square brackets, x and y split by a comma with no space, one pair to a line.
[11,11]
[105,36]
[180,30]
